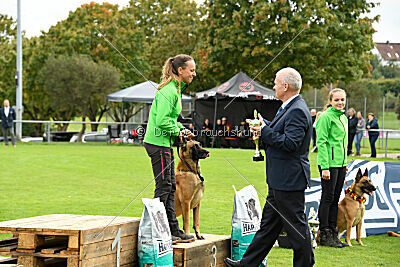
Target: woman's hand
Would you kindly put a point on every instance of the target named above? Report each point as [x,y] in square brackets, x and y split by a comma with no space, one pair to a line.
[326,174]
[368,126]
[186,133]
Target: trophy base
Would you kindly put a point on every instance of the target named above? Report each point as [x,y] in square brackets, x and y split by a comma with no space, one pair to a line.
[258,158]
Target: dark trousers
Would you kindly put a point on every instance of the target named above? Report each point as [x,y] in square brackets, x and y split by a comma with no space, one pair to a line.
[350,143]
[289,204]
[5,135]
[314,137]
[162,162]
[331,189]
[372,140]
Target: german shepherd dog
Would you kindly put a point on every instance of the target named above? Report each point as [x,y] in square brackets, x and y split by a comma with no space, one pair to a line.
[351,208]
[189,184]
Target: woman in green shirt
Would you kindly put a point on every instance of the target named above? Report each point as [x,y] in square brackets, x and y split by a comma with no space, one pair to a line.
[332,136]
[162,128]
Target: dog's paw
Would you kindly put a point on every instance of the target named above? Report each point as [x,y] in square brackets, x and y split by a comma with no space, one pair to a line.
[199,236]
[361,244]
[349,243]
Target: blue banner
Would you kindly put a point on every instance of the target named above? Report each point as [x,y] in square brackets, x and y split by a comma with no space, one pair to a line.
[382,210]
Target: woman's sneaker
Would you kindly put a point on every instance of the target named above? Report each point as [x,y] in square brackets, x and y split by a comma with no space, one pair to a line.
[175,240]
[184,238]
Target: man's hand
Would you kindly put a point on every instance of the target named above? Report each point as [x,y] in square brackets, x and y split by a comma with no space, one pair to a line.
[326,174]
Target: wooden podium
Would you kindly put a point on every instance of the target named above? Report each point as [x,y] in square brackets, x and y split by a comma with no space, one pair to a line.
[79,241]
[70,240]
[203,253]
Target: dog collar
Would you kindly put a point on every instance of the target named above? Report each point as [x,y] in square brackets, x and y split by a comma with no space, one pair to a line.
[353,195]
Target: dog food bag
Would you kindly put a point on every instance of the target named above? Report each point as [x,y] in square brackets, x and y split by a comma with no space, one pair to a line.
[154,237]
[246,220]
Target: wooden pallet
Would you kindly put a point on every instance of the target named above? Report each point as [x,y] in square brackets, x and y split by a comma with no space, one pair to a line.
[203,253]
[70,240]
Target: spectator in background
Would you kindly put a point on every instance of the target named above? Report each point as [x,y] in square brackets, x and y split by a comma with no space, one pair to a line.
[193,130]
[206,133]
[7,116]
[314,135]
[315,149]
[372,123]
[243,134]
[359,132]
[219,131]
[352,129]
[226,133]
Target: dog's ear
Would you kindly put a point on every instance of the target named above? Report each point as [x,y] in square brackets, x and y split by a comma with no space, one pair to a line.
[359,175]
[366,173]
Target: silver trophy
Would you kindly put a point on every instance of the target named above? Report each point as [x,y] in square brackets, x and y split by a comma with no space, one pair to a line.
[256,123]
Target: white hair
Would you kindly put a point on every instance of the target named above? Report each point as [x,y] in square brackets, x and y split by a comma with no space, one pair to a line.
[291,77]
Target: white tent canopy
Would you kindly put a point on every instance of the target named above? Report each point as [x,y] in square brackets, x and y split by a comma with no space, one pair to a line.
[139,93]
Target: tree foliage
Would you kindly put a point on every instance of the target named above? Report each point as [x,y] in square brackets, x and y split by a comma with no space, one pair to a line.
[8,33]
[77,85]
[170,28]
[333,42]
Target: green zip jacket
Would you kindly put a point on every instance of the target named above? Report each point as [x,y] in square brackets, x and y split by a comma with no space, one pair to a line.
[331,131]
[163,126]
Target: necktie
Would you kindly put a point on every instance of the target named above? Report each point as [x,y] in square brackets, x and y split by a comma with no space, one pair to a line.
[279,111]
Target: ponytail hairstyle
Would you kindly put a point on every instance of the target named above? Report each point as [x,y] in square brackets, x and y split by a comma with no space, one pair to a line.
[170,69]
[331,96]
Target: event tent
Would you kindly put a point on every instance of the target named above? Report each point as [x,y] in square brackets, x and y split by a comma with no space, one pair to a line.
[235,99]
[139,93]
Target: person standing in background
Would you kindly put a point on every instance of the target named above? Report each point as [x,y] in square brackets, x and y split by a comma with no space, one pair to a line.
[313,112]
[7,115]
[352,128]
[359,133]
[372,123]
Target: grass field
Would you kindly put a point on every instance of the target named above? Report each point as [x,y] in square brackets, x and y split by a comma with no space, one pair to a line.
[38,179]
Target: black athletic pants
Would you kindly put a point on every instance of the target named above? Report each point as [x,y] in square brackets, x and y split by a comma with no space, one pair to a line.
[331,190]
[283,208]
[162,161]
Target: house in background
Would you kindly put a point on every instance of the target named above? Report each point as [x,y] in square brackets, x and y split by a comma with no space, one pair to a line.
[387,52]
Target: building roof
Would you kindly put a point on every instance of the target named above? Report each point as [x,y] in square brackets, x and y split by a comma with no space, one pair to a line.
[389,51]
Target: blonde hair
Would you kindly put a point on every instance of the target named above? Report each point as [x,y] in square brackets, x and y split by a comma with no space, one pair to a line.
[331,96]
[171,68]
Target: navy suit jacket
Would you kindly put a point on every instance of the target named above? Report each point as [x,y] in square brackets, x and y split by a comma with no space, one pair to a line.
[7,122]
[287,141]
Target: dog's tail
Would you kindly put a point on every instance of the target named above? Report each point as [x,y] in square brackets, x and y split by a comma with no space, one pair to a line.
[390,233]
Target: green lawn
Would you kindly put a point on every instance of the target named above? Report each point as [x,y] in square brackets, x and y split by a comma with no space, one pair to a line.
[391,121]
[102,179]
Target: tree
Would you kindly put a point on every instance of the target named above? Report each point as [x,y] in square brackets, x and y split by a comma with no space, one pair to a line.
[170,28]
[76,84]
[333,43]
[8,33]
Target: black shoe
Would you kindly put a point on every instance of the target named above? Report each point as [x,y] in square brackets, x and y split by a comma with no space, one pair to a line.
[335,238]
[184,237]
[232,263]
[175,240]
[326,238]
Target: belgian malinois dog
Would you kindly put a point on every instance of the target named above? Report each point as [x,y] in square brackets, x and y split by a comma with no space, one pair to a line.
[351,209]
[189,184]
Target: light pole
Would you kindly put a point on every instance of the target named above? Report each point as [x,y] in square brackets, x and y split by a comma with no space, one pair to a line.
[18,74]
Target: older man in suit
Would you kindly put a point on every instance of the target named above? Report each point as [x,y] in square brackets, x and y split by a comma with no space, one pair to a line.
[7,115]
[287,140]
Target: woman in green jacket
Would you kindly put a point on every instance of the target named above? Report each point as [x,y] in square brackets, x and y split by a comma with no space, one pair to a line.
[332,139]
[162,128]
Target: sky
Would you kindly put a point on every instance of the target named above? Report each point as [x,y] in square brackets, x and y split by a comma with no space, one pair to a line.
[39,15]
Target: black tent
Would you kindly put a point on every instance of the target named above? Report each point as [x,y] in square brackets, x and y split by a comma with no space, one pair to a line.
[236,100]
